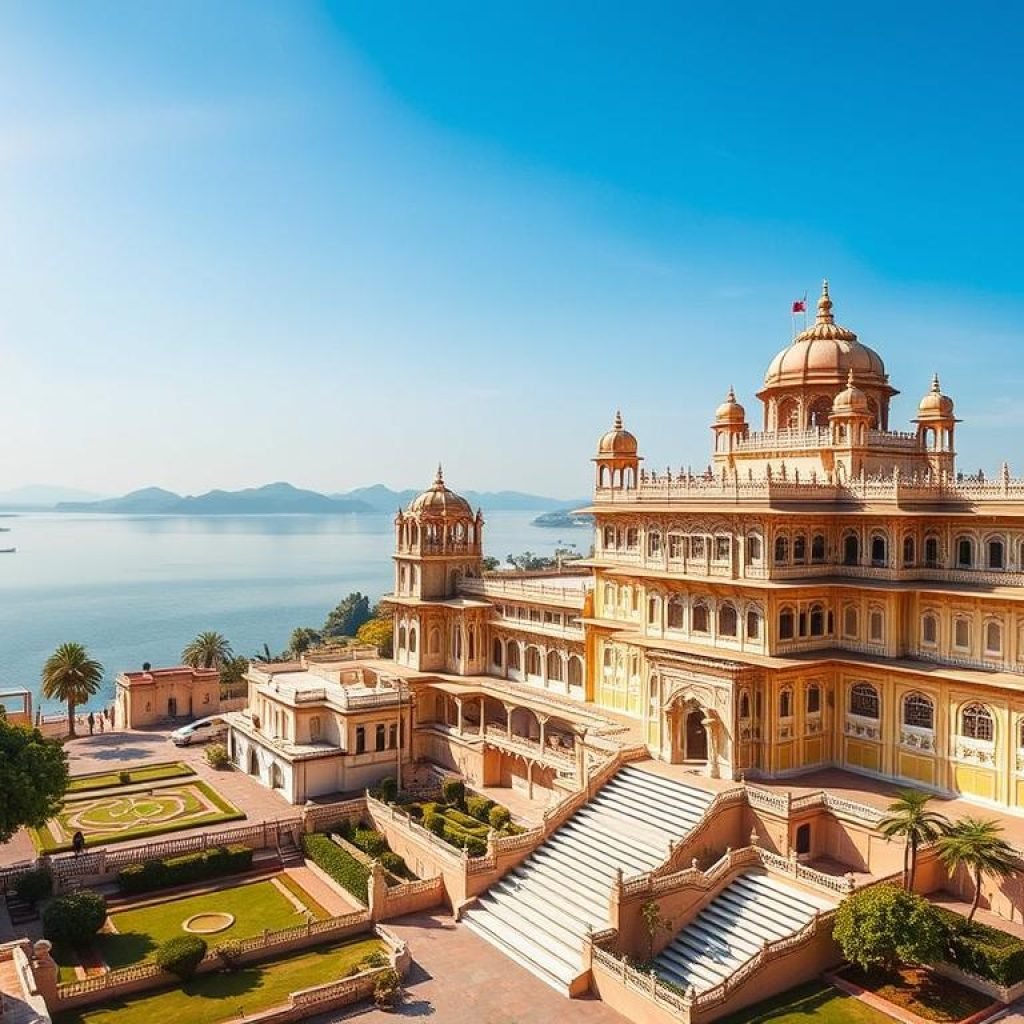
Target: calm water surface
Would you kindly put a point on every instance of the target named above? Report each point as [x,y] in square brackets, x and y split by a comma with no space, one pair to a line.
[138,588]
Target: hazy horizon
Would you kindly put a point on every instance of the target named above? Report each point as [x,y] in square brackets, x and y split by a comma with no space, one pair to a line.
[332,243]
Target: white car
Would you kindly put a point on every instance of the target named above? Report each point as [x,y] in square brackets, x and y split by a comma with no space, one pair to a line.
[200,731]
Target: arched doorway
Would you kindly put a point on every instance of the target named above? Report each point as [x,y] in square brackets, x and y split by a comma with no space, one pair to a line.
[695,736]
[172,707]
[276,776]
[254,762]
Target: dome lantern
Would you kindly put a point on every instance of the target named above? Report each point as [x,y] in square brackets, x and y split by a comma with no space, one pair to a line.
[617,462]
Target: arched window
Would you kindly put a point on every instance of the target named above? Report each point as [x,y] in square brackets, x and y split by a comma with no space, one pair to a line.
[435,641]
[727,620]
[457,640]
[931,552]
[864,700]
[976,723]
[786,703]
[753,548]
[918,711]
[929,629]
[532,661]
[818,548]
[996,554]
[554,666]
[497,652]
[609,538]
[314,728]
[632,538]
[401,638]
[817,620]
[744,705]
[851,549]
[964,553]
[654,544]
[813,699]
[700,617]
[674,616]
[799,548]
[876,626]
[781,550]
[851,622]
[786,624]
[753,624]
[908,550]
[878,552]
[962,633]
[381,737]
[653,611]
[803,838]
[993,637]
[575,671]
[512,650]
[412,639]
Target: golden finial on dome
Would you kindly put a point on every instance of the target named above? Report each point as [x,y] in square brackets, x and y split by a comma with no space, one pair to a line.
[439,479]
[935,383]
[824,305]
[731,397]
[617,425]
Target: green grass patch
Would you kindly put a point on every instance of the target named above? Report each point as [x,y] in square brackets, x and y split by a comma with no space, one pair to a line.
[147,773]
[816,1000]
[213,998]
[316,909]
[115,818]
[922,992]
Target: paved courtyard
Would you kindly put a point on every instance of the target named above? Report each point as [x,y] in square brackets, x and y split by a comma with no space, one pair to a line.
[458,978]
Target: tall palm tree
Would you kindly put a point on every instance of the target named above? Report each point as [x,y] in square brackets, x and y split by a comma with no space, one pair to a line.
[71,676]
[910,818]
[208,650]
[976,844]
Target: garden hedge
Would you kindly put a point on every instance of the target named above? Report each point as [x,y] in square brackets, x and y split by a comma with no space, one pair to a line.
[338,863]
[479,807]
[987,952]
[75,917]
[189,867]
[181,955]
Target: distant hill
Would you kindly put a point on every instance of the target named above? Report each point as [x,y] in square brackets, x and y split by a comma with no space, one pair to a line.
[564,517]
[384,499]
[44,495]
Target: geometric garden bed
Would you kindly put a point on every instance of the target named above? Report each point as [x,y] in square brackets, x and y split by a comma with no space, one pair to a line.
[115,817]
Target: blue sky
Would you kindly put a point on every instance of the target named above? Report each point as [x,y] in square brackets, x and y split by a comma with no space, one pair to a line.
[332,243]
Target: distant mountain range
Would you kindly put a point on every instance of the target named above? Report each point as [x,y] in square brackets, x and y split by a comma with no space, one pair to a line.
[44,495]
[284,498]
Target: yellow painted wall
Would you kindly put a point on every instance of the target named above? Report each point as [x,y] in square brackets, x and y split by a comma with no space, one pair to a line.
[979,782]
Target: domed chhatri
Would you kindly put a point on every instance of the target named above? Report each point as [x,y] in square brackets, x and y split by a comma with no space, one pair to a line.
[935,405]
[439,500]
[851,400]
[730,411]
[618,440]
[825,352]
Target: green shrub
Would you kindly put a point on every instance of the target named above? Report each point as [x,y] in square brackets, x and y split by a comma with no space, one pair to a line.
[388,789]
[387,989]
[370,841]
[464,840]
[499,817]
[454,792]
[188,867]
[34,885]
[434,822]
[124,778]
[345,829]
[466,822]
[348,872]
[395,864]
[217,756]
[229,953]
[479,807]
[181,956]
[987,952]
[378,958]
[73,919]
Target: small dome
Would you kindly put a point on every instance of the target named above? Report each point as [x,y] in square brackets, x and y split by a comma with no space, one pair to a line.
[438,500]
[618,440]
[851,401]
[730,411]
[825,352]
[935,405]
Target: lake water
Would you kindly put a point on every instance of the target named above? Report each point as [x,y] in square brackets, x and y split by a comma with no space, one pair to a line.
[138,588]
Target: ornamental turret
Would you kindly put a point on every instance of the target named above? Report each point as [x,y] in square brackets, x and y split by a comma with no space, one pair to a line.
[617,464]
[936,425]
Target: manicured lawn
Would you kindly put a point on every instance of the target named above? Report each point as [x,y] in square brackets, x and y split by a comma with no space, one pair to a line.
[147,773]
[815,1000]
[255,906]
[928,995]
[317,910]
[114,818]
[212,998]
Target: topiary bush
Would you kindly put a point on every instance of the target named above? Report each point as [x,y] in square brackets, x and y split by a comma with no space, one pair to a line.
[387,989]
[181,956]
[217,756]
[348,872]
[466,822]
[229,953]
[454,792]
[985,951]
[124,778]
[75,917]
[434,822]
[479,807]
[499,817]
[34,885]
[388,789]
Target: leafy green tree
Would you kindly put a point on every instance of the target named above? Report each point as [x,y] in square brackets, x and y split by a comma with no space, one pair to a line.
[348,616]
[33,778]
[886,926]
[977,845]
[232,676]
[654,922]
[75,917]
[379,633]
[489,563]
[302,639]
[71,677]
[910,819]
[208,650]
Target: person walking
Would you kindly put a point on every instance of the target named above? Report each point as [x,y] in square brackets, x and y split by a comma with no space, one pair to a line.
[92,722]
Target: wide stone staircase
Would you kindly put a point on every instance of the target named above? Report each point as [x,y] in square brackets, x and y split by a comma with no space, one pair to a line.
[753,909]
[539,912]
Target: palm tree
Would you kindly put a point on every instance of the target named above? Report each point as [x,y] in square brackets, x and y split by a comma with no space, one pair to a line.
[910,818]
[70,675]
[976,844]
[208,650]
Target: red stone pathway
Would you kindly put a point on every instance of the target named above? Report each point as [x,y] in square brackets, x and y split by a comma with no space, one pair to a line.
[458,978]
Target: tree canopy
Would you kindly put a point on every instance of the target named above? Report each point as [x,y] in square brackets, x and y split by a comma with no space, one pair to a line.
[302,639]
[71,677]
[910,819]
[977,845]
[378,632]
[351,612]
[207,650]
[33,778]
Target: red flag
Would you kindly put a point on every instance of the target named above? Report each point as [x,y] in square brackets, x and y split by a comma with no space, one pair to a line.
[800,306]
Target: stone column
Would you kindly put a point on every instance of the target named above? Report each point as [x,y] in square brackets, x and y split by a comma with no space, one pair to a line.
[44,972]
[458,719]
[509,708]
[543,720]
[483,716]
[710,724]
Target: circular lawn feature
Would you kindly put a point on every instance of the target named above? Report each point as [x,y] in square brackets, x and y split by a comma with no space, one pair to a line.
[208,923]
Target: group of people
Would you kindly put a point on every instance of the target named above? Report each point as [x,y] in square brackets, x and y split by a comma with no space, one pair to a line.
[105,720]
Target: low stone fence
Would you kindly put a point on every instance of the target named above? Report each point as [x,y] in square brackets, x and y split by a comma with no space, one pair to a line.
[1004,993]
[316,817]
[410,897]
